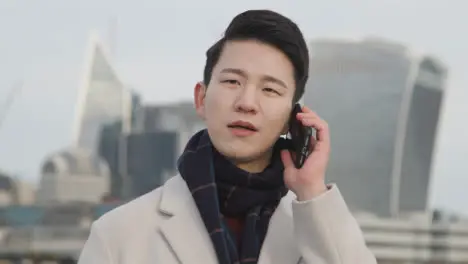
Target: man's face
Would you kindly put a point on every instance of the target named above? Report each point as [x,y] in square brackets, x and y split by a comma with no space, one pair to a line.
[248,101]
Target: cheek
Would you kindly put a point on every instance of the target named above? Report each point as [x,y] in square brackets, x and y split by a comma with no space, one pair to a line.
[278,116]
[215,104]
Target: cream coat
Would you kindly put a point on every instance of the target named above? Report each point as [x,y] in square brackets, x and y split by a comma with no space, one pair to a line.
[165,227]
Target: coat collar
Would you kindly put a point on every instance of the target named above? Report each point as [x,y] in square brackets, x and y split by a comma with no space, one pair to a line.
[185,231]
[280,245]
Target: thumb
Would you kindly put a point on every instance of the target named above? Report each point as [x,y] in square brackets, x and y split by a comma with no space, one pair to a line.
[286,159]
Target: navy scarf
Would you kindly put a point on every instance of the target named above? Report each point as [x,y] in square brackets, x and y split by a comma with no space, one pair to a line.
[220,189]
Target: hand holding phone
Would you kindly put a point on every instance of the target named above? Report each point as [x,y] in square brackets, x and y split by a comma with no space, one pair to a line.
[300,138]
[306,159]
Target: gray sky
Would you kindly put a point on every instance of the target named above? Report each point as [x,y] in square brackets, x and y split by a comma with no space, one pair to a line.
[159,50]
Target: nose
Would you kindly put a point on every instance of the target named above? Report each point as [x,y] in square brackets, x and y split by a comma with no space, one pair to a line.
[247,100]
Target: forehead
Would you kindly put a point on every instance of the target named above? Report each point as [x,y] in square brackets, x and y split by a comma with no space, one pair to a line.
[256,59]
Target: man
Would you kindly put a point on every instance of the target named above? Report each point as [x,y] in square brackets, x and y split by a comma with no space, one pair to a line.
[238,197]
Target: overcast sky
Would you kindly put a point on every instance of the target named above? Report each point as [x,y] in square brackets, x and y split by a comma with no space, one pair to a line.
[158,48]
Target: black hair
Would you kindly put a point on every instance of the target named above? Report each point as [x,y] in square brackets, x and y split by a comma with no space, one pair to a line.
[270,28]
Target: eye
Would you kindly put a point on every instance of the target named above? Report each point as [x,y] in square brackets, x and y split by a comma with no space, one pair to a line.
[231,81]
[270,90]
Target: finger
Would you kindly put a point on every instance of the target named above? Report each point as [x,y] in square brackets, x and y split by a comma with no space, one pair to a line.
[323,133]
[307,113]
[286,159]
[306,109]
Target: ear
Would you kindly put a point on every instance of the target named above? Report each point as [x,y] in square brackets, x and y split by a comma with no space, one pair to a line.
[199,94]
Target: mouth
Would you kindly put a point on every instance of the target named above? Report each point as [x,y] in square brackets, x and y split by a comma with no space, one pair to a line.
[243,125]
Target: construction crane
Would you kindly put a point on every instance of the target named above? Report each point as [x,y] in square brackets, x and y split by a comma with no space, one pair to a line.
[9,100]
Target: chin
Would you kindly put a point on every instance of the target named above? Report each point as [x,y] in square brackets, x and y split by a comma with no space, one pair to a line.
[241,154]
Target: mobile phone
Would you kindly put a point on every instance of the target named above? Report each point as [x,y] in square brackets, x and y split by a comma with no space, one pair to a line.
[300,138]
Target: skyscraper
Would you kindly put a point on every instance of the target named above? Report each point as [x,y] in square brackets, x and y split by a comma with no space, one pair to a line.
[105,111]
[382,103]
[103,98]
[109,143]
[112,147]
[150,159]
[177,117]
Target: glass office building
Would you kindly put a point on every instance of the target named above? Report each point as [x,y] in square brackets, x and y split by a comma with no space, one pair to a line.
[383,120]
[177,117]
[150,161]
[103,98]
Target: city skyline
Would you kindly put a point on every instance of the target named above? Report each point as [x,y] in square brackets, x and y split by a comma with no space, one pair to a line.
[51,68]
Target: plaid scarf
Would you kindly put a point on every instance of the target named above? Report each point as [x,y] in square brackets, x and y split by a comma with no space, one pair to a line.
[220,189]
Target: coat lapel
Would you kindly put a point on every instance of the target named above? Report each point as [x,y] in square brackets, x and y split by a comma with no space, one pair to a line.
[183,229]
[279,245]
[187,237]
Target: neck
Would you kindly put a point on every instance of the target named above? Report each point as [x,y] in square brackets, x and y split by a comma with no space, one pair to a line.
[256,165]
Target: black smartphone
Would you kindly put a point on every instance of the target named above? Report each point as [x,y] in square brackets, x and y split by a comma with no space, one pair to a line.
[300,138]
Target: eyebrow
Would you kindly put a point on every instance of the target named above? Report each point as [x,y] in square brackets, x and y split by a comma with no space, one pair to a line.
[242,73]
